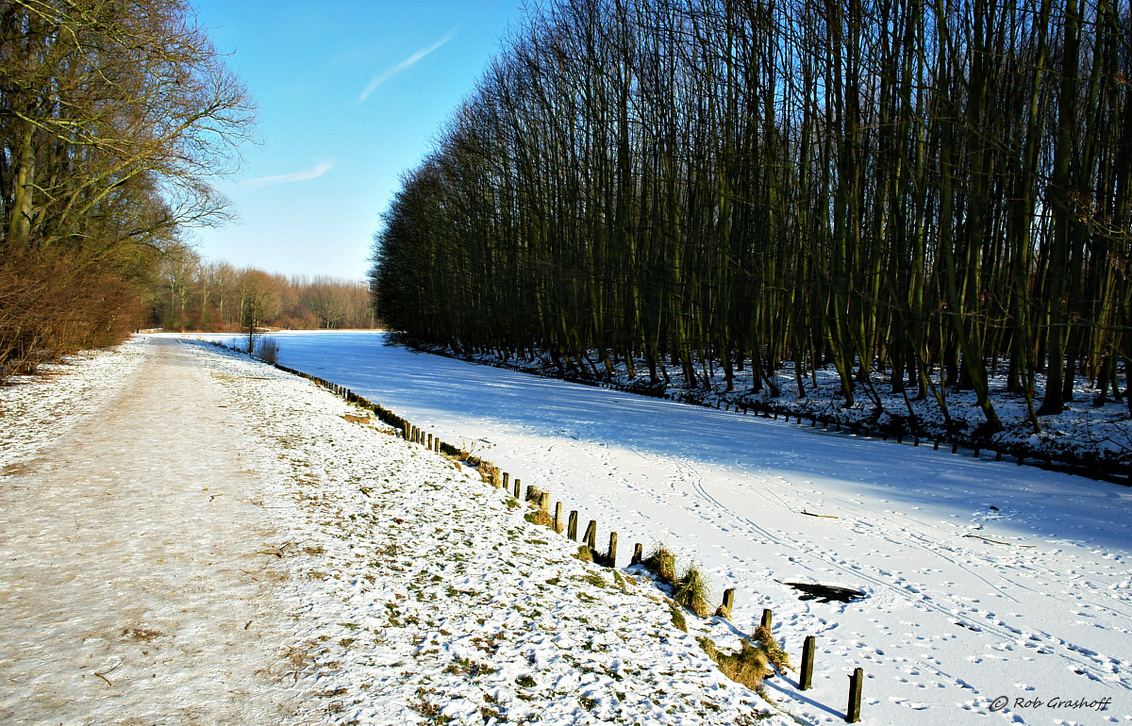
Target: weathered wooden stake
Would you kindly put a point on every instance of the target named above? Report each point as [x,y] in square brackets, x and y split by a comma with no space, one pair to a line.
[590,537]
[544,501]
[611,558]
[506,481]
[517,488]
[853,714]
[728,602]
[558,517]
[572,526]
[806,676]
[768,616]
[638,554]
[935,446]
[430,442]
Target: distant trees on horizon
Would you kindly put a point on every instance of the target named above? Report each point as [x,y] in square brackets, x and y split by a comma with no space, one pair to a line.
[192,294]
[929,189]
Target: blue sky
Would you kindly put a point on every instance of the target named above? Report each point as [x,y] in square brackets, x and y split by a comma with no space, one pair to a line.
[349,95]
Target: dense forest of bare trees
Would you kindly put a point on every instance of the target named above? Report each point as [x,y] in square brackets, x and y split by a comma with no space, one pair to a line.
[113,116]
[191,294]
[929,188]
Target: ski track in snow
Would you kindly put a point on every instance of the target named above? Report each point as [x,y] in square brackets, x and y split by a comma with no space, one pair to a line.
[950,622]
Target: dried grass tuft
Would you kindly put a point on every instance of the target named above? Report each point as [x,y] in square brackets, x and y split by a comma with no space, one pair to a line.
[662,563]
[749,666]
[693,592]
[774,653]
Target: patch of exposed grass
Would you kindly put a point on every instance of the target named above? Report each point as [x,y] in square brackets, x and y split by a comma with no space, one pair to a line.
[585,554]
[595,579]
[749,666]
[678,618]
[539,517]
[774,653]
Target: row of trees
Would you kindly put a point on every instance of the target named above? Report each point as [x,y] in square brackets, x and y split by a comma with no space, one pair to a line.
[930,188]
[191,294]
[113,116]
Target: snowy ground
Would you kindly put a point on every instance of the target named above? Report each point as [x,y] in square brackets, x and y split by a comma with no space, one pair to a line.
[407,590]
[1095,436]
[995,592]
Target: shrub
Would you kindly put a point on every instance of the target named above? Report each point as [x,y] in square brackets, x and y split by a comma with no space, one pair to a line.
[692,592]
[267,350]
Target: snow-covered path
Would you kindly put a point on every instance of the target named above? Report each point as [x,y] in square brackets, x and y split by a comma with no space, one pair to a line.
[132,584]
[984,579]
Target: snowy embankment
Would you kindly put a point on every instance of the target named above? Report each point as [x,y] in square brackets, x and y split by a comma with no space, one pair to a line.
[421,594]
[1095,438]
[983,580]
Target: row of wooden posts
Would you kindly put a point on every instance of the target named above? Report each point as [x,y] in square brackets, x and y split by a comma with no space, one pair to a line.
[502,480]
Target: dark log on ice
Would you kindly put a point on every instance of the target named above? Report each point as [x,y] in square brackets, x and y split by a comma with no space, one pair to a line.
[826,593]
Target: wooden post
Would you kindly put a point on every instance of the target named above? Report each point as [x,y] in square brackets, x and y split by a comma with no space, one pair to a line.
[853,713]
[806,677]
[611,558]
[728,603]
[590,537]
[527,495]
[768,616]
[558,517]
[544,501]
[430,442]
[572,527]
[506,481]
[935,446]
[955,447]
[517,488]
[638,554]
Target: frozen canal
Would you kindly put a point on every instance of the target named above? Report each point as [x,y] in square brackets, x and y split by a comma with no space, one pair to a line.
[985,580]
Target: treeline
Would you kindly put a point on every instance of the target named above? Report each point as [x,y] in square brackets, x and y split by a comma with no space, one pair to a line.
[929,189]
[191,294]
[113,115]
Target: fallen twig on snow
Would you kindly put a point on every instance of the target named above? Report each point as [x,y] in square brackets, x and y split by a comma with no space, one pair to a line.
[823,516]
[995,541]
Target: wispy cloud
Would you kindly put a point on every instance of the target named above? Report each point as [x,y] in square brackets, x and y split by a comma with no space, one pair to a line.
[382,78]
[313,173]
